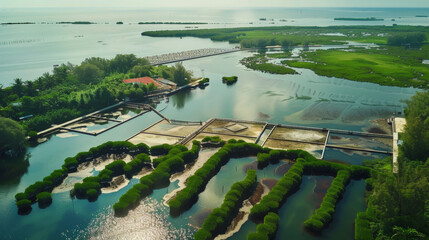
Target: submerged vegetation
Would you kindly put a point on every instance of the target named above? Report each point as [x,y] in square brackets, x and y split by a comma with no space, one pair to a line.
[260,62]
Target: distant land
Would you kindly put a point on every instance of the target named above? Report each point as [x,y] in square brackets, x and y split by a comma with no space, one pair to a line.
[359,19]
[14,23]
[173,23]
[76,22]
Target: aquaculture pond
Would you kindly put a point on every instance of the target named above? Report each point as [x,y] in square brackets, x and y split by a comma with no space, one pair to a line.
[330,103]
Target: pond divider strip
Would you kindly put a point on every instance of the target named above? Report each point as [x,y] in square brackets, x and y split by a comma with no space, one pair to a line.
[269,134]
[228,134]
[196,132]
[262,132]
[54,128]
[104,118]
[161,134]
[134,135]
[359,149]
[324,147]
[298,141]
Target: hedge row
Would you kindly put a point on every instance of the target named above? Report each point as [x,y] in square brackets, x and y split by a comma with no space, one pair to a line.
[197,183]
[266,230]
[162,149]
[363,227]
[159,178]
[172,151]
[136,165]
[323,215]
[70,165]
[220,218]
[90,187]
[274,156]
[283,188]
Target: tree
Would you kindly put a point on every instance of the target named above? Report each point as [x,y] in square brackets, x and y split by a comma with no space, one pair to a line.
[410,39]
[12,137]
[406,234]
[122,63]
[141,71]
[18,87]
[180,75]
[88,73]
[416,135]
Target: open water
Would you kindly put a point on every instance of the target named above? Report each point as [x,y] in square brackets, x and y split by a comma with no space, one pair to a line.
[29,50]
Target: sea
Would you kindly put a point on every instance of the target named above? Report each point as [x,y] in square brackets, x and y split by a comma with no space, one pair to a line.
[27,51]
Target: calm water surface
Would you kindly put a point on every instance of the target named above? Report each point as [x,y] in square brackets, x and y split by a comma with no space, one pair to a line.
[335,103]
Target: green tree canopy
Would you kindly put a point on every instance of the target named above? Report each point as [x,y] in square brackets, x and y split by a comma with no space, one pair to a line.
[180,75]
[88,73]
[12,136]
[416,136]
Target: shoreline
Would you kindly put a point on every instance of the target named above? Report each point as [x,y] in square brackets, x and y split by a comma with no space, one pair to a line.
[244,212]
[203,156]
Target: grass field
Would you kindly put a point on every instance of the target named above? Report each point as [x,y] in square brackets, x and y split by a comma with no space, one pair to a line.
[390,66]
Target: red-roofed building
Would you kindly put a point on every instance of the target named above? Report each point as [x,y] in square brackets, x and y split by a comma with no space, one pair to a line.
[142,80]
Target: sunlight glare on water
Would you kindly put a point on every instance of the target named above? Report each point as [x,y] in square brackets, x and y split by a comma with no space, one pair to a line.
[148,221]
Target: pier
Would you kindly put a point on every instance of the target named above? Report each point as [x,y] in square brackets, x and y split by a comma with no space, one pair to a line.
[187,55]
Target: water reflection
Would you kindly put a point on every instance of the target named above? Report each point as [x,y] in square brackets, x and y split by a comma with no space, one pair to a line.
[179,99]
[12,169]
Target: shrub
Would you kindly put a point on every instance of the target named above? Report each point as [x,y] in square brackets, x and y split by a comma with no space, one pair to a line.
[267,229]
[92,194]
[71,164]
[229,80]
[363,227]
[283,188]
[36,188]
[159,178]
[32,135]
[160,149]
[220,218]
[20,196]
[44,199]
[117,167]
[323,215]
[136,165]
[23,204]
[80,189]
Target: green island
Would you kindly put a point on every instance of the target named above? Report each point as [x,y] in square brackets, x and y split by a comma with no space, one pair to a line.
[229,80]
[260,62]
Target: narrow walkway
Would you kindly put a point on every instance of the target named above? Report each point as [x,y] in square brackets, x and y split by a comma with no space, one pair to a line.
[398,125]
[56,127]
[187,55]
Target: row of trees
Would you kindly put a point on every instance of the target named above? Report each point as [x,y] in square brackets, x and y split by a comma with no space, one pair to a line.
[407,39]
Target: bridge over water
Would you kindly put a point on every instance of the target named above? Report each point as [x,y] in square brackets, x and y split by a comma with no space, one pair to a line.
[188,55]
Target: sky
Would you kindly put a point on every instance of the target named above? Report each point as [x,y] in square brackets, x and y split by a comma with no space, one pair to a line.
[211,3]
